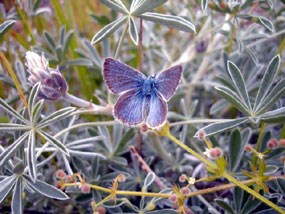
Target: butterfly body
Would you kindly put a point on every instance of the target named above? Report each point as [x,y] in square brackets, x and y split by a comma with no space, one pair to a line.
[142,99]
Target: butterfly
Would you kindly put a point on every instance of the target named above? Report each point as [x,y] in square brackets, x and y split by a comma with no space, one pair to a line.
[141,99]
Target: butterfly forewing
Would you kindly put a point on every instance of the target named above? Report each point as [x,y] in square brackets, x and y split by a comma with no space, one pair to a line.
[168,80]
[157,111]
[120,77]
[129,109]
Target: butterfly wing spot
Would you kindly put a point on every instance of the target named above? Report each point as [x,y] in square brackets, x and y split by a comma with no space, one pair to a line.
[120,77]
[168,80]
[129,109]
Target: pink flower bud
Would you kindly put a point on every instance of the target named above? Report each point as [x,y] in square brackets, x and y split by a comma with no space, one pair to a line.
[85,188]
[272,144]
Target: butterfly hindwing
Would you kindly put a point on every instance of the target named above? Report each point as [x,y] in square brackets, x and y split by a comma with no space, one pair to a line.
[129,108]
[120,77]
[157,111]
[168,80]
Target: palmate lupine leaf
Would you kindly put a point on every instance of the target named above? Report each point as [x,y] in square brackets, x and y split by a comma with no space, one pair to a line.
[239,83]
[234,99]
[277,92]
[108,30]
[45,189]
[133,31]
[5,26]
[13,127]
[259,20]
[216,128]
[116,5]
[274,116]
[204,5]
[6,186]
[266,82]
[56,143]
[8,152]
[17,196]
[12,111]
[141,7]
[33,97]
[169,21]
[31,157]
[56,116]
[37,108]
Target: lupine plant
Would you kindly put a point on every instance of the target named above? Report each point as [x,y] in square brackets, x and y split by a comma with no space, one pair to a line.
[90,124]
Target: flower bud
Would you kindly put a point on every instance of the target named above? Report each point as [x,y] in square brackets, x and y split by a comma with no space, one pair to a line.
[60,174]
[272,144]
[248,148]
[85,188]
[201,134]
[185,191]
[281,143]
[182,178]
[214,153]
[173,198]
[53,85]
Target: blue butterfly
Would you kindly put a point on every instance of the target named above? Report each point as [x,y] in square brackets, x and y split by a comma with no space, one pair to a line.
[142,99]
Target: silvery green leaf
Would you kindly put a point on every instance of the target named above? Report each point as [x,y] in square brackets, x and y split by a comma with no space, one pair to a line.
[31,157]
[46,189]
[134,5]
[267,81]
[56,143]
[239,83]
[133,31]
[6,186]
[146,6]
[67,41]
[266,23]
[204,5]
[59,53]
[108,30]
[236,149]
[170,21]
[21,73]
[13,127]
[259,20]
[79,62]
[149,179]
[11,111]
[225,206]
[56,116]
[33,97]
[49,40]
[218,106]
[233,98]
[221,127]
[274,116]
[7,154]
[86,154]
[93,53]
[5,26]
[277,92]
[37,110]
[62,35]
[17,206]
[116,5]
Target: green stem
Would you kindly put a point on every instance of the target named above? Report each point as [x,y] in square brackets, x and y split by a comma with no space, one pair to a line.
[165,132]
[259,141]
[121,42]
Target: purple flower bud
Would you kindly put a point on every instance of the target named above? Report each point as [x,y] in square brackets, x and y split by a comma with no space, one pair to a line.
[53,85]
